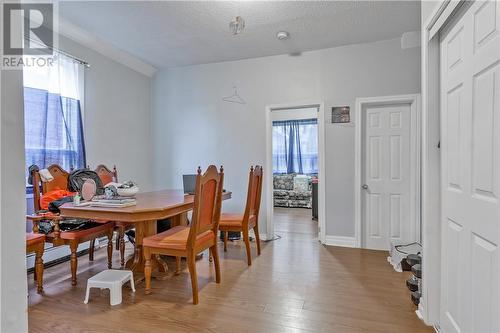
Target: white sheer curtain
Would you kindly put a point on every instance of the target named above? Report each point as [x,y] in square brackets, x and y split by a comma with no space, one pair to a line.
[64,78]
[53,98]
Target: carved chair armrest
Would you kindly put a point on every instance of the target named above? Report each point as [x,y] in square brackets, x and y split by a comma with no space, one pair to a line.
[34,218]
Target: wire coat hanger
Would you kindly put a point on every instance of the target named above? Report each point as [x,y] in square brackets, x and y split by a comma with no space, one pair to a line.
[234,98]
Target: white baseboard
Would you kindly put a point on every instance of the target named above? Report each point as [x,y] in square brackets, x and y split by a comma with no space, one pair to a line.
[340,241]
[419,313]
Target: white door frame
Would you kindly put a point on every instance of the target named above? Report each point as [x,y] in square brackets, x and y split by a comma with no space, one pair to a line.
[362,103]
[429,307]
[321,164]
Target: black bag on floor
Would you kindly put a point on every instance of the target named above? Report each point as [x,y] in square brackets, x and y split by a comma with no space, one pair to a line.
[161,226]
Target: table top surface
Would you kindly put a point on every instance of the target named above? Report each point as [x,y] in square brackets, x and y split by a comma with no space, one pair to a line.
[146,202]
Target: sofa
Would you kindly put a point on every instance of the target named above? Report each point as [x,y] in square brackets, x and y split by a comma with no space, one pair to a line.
[292,190]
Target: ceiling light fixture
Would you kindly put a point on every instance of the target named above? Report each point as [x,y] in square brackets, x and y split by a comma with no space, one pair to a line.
[282,35]
[237,25]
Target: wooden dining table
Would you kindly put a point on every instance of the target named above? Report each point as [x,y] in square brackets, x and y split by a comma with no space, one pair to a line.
[150,207]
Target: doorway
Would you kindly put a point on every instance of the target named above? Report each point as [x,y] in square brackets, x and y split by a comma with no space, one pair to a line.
[295,196]
[387,172]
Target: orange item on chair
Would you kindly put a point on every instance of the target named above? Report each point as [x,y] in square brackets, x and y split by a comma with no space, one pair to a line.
[48,197]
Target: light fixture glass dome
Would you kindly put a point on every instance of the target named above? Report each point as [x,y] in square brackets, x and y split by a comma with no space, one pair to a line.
[282,35]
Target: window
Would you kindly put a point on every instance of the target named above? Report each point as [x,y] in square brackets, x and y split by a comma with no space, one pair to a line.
[295,146]
[53,114]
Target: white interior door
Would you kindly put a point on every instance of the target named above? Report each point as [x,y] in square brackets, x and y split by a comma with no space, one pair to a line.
[387,200]
[470,162]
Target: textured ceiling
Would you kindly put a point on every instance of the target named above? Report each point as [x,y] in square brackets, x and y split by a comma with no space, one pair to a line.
[174,33]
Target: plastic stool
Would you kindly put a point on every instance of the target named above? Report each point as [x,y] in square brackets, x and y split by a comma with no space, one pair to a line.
[113,280]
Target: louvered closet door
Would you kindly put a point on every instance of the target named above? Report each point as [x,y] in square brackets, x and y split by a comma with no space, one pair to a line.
[470,150]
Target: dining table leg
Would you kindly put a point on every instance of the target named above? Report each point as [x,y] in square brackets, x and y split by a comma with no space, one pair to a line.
[180,220]
[136,262]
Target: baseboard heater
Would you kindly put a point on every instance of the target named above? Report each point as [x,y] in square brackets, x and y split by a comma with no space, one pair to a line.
[65,255]
[59,260]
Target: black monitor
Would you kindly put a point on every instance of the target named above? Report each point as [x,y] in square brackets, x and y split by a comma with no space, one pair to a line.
[189,182]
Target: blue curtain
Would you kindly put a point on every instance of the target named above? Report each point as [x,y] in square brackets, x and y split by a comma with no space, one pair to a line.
[53,130]
[295,146]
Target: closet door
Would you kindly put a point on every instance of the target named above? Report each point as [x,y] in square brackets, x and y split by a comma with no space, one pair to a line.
[470,162]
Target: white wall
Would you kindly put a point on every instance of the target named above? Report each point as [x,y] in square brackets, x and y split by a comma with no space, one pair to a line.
[13,284]
[117,118]
[192,125]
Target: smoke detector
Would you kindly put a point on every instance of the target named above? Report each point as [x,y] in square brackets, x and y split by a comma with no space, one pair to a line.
[282,35]
[237,25]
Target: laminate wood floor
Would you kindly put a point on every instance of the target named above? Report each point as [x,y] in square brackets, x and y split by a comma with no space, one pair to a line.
[296,285]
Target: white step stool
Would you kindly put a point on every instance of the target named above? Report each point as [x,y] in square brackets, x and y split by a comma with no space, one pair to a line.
[112,279]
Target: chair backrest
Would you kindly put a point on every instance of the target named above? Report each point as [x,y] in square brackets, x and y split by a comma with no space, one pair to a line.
[254,193]
[60,182]
[106,175]
[207,202]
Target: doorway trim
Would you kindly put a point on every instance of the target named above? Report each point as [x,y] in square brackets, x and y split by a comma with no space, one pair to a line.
[430,303]
[321,165]
[361,103]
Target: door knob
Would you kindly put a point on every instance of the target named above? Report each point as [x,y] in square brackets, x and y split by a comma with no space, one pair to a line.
[364,187]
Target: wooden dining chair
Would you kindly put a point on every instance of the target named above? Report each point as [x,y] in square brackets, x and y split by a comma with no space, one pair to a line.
[188,241]
[107,176]
[72,238]
[35,242]
[250,218]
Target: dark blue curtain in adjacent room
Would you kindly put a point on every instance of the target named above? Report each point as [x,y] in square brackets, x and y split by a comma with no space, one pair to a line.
[53,130]
[295,146]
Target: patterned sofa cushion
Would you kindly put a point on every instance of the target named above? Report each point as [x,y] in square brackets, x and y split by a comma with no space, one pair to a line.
[283,182]
[299,195]
[300,203]
[292,190]
[281,202]
[283,194]
[301,183]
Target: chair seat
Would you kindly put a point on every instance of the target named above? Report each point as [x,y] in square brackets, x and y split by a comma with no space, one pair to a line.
[33,238]
[83,233]
[234,221]
[176,238]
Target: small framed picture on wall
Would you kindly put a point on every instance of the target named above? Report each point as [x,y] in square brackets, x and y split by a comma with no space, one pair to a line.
[341,114]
